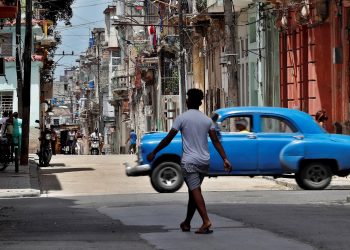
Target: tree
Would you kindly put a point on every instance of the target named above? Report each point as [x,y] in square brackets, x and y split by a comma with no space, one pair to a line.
[55,11]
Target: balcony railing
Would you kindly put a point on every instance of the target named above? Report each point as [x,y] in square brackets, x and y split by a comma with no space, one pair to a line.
[119,88]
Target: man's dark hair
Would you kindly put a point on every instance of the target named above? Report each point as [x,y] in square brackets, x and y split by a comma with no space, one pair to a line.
[321,116]
[5,114]
[15,115]
[195,97]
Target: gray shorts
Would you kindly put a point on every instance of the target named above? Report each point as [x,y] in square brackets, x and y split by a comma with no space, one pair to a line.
[193,175]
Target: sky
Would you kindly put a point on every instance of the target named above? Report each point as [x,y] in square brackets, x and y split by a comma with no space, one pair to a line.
[87,14]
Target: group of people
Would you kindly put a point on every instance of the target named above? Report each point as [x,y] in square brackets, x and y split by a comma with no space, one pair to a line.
[11,128]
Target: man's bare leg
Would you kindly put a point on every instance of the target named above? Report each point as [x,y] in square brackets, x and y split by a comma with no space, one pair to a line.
[191,209]
[200,205]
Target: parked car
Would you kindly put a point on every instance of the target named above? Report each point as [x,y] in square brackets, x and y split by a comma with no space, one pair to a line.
[277,142]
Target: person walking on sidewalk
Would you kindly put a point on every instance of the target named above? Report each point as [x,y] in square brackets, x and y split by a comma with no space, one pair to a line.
[3,120]
[195,127]
[17,131]
[132,138]
[9,132]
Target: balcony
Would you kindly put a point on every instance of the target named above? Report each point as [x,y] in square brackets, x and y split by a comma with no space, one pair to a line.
[119,71]
[119,88]
[46,41]
[8,9]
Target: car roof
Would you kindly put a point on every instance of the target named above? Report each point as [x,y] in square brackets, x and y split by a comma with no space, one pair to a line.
[303,120]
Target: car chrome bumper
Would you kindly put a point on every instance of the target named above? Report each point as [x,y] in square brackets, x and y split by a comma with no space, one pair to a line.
[137,170]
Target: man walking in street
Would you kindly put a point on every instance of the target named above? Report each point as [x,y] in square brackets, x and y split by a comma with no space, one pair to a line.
[194,127]
[132,138]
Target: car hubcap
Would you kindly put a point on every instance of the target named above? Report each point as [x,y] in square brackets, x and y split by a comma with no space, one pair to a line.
[168,177]
[317,174]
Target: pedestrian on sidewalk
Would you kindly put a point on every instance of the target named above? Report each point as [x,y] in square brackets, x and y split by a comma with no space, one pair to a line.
[3,120]
[132,138]
[9,133]
[17,131]
[53,139]
[194,127]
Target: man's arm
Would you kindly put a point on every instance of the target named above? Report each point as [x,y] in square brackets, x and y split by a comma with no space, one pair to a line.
[127,140]
[163,143]
[214,138]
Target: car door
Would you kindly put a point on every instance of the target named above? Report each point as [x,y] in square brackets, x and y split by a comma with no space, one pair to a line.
[275,132]
[240,147]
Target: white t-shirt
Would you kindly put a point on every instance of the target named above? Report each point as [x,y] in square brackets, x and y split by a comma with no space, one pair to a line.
[194,127]
[95,136]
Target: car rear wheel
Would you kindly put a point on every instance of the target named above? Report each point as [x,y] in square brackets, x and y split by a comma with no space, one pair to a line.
[314,176]
[167,177]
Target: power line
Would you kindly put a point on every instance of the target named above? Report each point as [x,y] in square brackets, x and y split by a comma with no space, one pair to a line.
[82,6]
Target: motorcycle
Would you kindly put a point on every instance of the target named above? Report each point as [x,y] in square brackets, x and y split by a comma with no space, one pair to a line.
[45,151]
[95,147]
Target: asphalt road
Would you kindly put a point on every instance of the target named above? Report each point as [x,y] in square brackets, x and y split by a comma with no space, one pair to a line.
[253,214]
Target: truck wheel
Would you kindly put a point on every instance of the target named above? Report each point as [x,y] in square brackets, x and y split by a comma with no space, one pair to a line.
[167,177]
[314,176]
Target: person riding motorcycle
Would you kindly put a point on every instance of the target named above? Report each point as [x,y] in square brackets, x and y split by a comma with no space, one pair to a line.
[95,137]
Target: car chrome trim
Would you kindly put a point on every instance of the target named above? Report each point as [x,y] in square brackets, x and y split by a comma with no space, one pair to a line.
[251,136]
[137,170]
[298,137]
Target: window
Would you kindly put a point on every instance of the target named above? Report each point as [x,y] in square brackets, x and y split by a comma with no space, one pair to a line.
[6,44]
[6,102]
[56,121]
[271,124]
[252,30]
[237,124]
[115,59]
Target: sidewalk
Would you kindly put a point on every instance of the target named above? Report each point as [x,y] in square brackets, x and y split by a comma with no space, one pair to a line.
[25,183]
[338,183]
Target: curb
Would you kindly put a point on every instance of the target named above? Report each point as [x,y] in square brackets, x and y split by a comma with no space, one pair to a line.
[283,183]
[34,175]
[19,193]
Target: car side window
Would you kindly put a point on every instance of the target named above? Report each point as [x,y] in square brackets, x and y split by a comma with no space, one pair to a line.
[271,124]
[237,124]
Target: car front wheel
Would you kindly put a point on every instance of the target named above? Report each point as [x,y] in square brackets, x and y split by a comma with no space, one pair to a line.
[167,177]
[314,176]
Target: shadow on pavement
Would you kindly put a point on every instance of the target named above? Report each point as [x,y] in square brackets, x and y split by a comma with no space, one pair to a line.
[57,165]
[63,170]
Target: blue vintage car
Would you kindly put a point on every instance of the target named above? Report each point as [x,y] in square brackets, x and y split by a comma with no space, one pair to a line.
[276,142]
